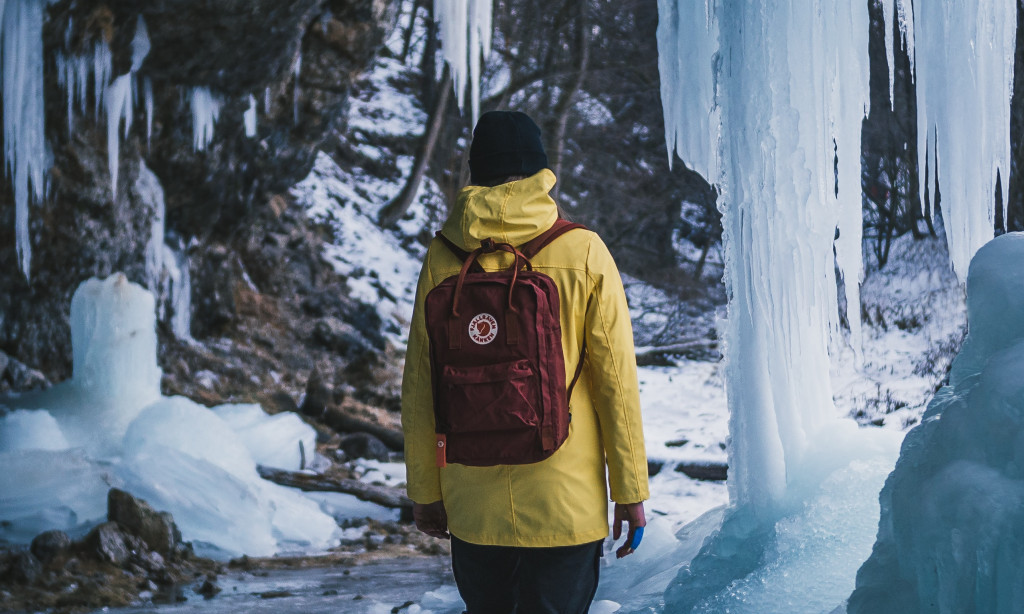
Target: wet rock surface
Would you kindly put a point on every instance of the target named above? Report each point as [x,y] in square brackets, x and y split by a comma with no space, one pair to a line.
[111,566]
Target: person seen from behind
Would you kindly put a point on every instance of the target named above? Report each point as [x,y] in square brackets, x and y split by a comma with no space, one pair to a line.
[525,504]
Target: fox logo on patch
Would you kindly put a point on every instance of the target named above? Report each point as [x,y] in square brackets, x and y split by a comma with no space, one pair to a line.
[483,328]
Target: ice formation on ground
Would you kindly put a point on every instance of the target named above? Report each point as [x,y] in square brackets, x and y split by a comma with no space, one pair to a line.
[950,536]
[63,448]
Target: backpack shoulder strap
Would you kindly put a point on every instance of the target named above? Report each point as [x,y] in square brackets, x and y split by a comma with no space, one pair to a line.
[460,253]
[529,249]
[532,247]
[455,249]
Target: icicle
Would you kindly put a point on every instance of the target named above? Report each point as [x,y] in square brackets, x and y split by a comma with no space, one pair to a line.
[147,89]
[848,85]
[250,118]
[902,12]
[140,44]
[266,101]
[102,71]
[181,296]
[73,75]
[151,193]
[964,85]
[685,63]
[295,93]
[205,112]
[460,20]
[118,100]
[66,78]
[23,105]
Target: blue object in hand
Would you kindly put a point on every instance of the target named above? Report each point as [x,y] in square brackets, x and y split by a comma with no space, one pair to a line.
[637,536]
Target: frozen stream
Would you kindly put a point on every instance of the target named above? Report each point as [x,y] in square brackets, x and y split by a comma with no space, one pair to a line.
[374,587]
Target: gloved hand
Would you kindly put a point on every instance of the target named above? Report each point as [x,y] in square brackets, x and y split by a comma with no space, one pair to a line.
[432,519]
[632,513]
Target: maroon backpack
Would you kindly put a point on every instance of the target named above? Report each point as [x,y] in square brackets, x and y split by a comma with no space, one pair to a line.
[496,359]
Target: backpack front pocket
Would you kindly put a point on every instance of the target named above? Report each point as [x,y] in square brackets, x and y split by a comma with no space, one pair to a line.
[498,397]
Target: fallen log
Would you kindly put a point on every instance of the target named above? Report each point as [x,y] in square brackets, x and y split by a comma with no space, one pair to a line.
[660,355]
[308,482]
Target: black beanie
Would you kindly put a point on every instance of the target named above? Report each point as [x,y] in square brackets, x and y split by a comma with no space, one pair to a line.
[505,143]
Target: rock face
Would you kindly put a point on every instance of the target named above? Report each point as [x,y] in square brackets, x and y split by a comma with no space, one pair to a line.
[214,197]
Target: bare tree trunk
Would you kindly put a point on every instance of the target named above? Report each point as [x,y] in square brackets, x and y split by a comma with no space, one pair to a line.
[394,210]
[699,271]
[568,94]
[1015,197]
[407,40]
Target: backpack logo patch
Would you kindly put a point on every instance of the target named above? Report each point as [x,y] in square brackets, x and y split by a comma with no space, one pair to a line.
[483,328]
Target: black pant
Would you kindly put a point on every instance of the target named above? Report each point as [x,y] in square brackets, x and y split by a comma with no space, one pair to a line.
[514,580]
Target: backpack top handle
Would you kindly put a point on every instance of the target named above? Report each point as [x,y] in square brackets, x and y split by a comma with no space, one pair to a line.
[488,246]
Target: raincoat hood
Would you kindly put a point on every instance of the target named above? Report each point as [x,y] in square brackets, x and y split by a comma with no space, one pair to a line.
[513,212]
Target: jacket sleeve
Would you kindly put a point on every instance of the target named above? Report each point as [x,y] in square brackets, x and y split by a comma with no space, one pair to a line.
[612,359]
[422,474]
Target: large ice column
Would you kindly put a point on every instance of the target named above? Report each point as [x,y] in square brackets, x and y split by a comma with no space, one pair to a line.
[783,123]
[963,58]
[951,533]
[465,27]
[115,372]
[113,338]
[24,129]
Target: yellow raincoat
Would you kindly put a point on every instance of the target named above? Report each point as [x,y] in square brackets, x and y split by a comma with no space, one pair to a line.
[562,500]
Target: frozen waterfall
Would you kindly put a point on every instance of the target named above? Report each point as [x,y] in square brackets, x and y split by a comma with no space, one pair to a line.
[779,116]
[777,90]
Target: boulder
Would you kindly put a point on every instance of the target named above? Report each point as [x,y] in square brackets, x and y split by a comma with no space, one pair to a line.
[342,338]
[318,395]
[364,445]
[25,568]
[156,529]
[48,545]
[108,543]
